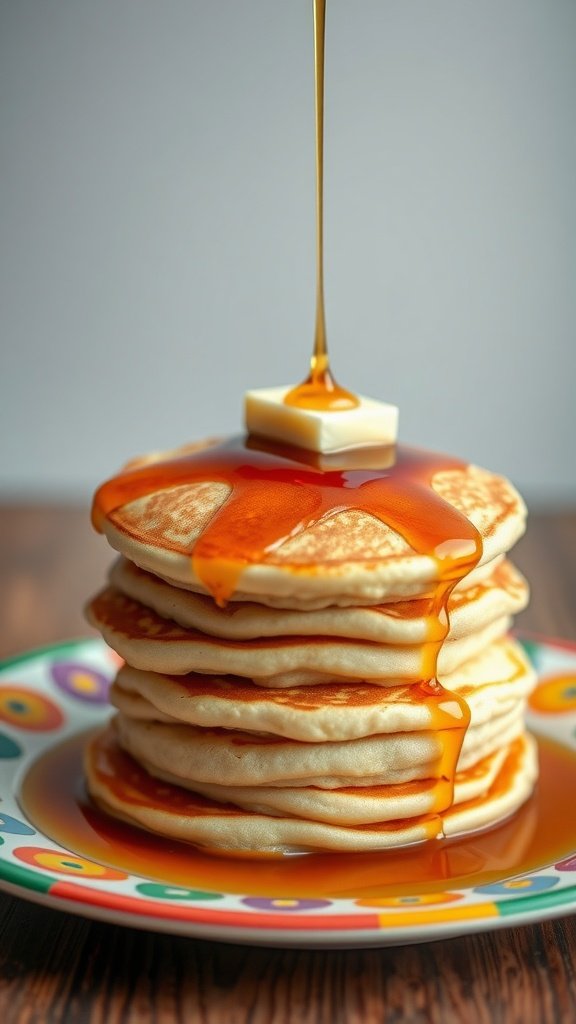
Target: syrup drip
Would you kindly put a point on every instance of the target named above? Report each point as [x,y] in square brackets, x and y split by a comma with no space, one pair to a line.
[320,391]
[542,832]
[276,493]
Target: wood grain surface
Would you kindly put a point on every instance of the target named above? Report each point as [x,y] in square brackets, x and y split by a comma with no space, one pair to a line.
[58,968]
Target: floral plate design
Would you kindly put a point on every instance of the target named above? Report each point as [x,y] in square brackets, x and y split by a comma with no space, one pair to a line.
[50,695]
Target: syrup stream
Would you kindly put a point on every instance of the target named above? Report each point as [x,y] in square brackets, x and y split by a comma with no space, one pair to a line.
[320,391]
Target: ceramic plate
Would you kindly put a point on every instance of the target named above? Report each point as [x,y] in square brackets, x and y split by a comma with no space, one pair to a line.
[49,696]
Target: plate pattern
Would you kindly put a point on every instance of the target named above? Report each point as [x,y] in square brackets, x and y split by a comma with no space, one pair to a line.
[51,694]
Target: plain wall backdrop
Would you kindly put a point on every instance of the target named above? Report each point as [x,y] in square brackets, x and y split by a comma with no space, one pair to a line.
[157,225]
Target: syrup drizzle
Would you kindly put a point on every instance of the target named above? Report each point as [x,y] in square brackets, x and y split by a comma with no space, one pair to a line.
[320,391]
[275,495]
[276,492]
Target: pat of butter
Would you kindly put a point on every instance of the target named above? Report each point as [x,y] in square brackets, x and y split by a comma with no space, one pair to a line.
[323,431]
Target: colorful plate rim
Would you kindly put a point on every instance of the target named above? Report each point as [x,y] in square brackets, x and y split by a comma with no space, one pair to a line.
[53,692]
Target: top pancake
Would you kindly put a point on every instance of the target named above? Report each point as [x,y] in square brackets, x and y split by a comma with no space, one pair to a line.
[347,557]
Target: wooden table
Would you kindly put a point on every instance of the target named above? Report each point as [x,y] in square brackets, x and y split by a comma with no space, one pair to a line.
[55,967]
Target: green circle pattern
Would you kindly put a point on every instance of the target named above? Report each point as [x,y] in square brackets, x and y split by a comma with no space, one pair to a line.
[174,892]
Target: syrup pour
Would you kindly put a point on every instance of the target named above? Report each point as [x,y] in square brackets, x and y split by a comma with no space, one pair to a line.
[276,493]
[320,391]
[542,832]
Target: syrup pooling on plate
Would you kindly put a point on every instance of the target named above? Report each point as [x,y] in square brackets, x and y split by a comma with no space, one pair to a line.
[542,832]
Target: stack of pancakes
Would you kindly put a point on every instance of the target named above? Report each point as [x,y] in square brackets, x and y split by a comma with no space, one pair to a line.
[300,715]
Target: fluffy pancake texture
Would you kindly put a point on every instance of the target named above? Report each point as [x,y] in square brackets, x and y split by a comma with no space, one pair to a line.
[498,679]
[301,715]
[237,758]
[148,641]
[127,791]
[501,593]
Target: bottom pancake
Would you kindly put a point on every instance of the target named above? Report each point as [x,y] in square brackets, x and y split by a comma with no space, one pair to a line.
[125,790]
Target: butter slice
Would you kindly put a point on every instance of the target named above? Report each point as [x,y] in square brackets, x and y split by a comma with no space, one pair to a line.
[322,431]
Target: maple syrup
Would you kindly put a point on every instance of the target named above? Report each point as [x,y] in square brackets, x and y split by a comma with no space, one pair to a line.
[542,832]
[320,390]
[276,492]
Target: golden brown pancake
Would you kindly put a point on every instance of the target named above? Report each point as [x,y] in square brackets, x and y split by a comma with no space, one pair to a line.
[195,755]
[348,557]
[127,791]
[148,641]
[496,681]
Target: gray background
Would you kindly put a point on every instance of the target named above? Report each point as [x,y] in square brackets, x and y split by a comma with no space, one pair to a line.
[157,204]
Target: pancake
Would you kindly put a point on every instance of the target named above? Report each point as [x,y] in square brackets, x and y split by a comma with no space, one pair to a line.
[312,604]
[148,641]
[350,805]
[193,755]
[502,593]
[494,682]
[346,557]
[127,791]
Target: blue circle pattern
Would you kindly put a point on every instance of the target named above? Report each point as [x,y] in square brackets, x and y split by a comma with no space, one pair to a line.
[15,827]
[518,886]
